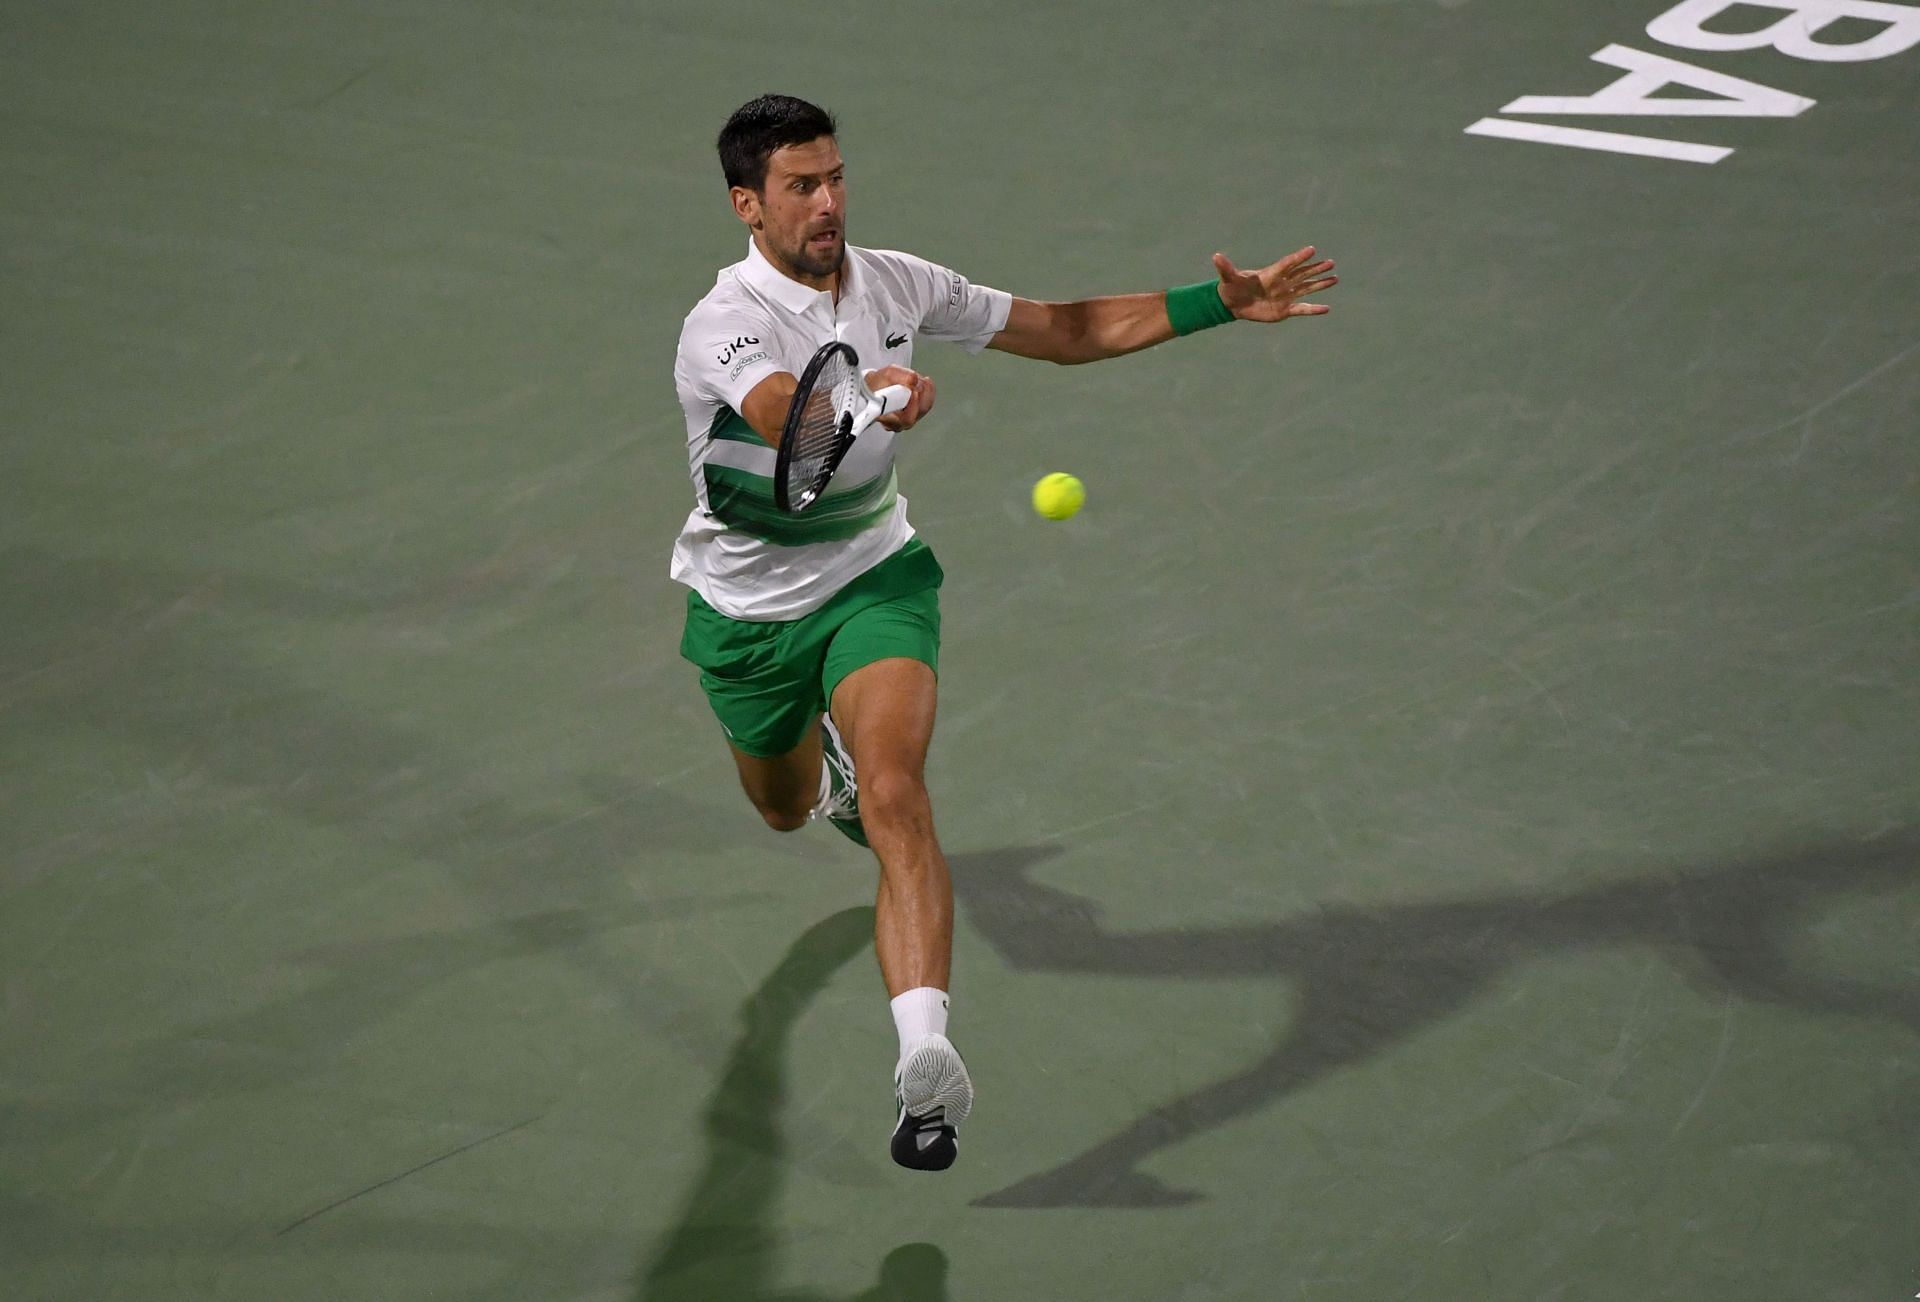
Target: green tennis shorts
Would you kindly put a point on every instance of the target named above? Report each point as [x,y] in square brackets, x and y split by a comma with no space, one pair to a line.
[769,680]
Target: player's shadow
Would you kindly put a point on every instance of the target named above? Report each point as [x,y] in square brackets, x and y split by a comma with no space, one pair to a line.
[151,658]
[1369,977]
[724,1244]
[158,660]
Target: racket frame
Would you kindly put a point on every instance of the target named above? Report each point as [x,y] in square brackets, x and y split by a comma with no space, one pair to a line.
[850,426]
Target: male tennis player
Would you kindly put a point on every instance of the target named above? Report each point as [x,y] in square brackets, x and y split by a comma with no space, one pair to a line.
[817,634]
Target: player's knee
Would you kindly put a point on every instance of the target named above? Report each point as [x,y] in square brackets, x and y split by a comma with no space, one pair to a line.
[778,802]
[783,820]
[780,815]
[895,798]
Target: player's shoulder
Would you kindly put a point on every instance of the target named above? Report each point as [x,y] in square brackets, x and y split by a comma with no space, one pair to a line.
[727,291]
[896,262]
[904,277]
[728,302]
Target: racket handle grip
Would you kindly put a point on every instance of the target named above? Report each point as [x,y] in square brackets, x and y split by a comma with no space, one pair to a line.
[892,398]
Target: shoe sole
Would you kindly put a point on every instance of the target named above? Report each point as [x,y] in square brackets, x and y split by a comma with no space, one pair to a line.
[935,1079]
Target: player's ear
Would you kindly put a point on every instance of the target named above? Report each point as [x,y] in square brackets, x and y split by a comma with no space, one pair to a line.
[746,205]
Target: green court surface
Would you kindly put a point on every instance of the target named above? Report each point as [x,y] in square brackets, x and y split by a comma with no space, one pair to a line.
[1442,823]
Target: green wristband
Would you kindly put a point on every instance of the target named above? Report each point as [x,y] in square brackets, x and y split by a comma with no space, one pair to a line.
[1195,307]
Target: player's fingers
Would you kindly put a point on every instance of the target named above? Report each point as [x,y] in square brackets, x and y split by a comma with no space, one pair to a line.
[1315,286]
[909,412]
[1294,259]
[1319,268]
[1308,309]
[917,406]
[1224,266]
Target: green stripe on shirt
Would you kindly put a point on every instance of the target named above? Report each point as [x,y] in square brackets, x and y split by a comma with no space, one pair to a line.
[731,427]
[743,500]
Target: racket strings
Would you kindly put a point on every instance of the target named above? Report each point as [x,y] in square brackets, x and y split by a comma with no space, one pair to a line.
[817,436]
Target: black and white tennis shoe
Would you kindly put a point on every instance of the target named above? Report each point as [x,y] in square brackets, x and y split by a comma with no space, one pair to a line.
[934,1094]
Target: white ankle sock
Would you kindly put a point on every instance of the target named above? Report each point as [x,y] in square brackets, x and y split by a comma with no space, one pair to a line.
[918,1013]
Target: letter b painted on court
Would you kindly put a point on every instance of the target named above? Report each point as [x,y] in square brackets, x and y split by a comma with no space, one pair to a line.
[1683,26]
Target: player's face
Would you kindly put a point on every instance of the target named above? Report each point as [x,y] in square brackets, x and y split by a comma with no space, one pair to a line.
[802,211]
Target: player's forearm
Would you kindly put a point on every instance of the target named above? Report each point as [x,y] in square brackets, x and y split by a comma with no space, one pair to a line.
[1095,329]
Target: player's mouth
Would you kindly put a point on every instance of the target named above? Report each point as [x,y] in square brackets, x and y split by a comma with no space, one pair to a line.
[824,239]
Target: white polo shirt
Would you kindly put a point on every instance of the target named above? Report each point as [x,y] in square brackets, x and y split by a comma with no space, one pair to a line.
[739,551]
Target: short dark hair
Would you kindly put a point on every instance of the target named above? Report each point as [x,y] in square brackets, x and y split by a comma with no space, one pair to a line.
[765,124]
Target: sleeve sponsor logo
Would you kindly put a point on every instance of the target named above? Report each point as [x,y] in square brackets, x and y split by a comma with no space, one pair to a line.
[956,285]
[758,355]
[740,344]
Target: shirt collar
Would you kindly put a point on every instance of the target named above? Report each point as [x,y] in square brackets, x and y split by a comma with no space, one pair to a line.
[790,293]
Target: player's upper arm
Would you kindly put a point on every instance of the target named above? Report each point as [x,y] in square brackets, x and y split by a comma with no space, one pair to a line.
[765,405]
[726,358]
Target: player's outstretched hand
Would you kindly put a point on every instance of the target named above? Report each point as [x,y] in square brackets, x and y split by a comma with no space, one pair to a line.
[908,416]
[1274,293]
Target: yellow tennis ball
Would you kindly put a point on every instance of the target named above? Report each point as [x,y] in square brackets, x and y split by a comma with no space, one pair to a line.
[1059,496]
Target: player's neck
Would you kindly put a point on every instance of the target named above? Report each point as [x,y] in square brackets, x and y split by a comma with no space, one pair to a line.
[828,284]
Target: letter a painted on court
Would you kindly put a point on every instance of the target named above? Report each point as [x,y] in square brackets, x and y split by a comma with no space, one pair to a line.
[1684,26]
[1634,95]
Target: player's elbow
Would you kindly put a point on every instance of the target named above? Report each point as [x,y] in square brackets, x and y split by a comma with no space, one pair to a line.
[1074,350]
[1073,336]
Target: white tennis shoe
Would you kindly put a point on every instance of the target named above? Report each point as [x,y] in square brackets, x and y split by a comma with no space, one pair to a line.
[840,799]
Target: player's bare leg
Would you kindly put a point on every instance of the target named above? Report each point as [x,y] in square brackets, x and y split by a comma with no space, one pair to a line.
[885,714]
[784,788]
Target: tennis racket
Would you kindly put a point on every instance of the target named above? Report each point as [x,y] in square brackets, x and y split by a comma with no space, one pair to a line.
[831,408]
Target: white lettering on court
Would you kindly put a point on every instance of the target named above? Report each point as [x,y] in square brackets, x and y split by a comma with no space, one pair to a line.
[1634,94]
[1613,142]
[1899,28]
[1894,29]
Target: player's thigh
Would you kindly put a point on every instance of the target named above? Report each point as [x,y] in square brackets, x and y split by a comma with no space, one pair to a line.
[763,685]
[882,680]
